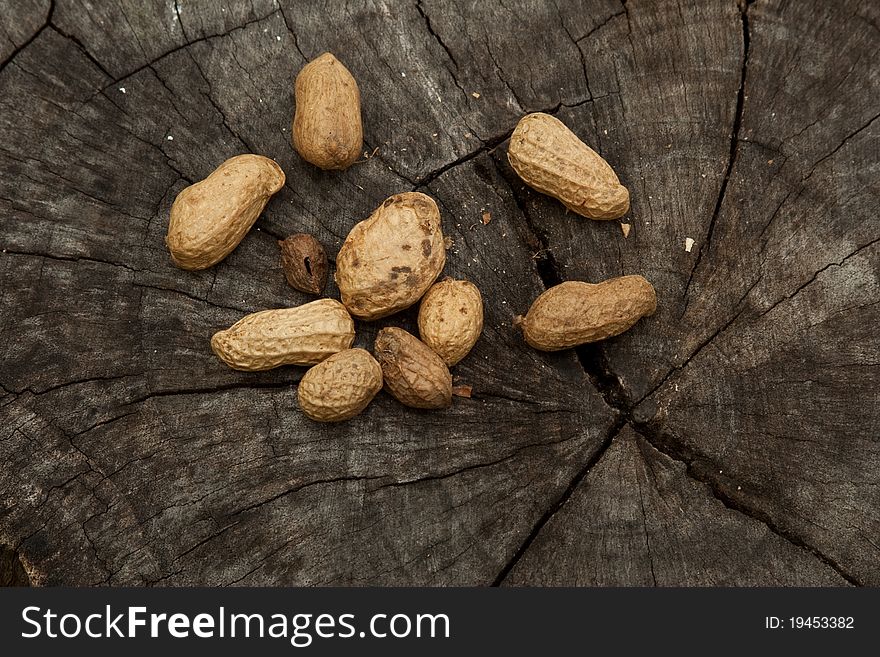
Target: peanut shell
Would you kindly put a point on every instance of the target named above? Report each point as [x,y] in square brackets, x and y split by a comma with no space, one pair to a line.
[575,313]
[413,373]
[389,260]
[327,129]
[304,263]
[210,217]
[550,158]
[304,335]
[451,319]
[340,387]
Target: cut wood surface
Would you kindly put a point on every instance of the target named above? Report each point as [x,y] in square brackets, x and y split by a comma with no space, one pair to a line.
[733,438]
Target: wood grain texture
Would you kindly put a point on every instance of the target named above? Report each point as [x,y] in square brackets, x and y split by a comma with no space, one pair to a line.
[730,439]
[20,22]
[639,520]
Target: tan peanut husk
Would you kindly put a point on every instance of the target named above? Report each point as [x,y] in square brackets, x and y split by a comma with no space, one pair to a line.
[413,373]
[210,217]
[389,260]
[451,319]
[575,313]
[551,159]
[340,387]
[327,129]
[304,335]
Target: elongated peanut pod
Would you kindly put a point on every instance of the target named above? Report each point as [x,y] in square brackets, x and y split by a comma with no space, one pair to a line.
[210,217]
[304,335]
[574,313]
[327,129]
[550,158]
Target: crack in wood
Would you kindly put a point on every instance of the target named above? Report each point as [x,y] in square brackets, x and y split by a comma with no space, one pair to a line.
[820,271]
[843,143]
[47,21]
[647,531]
[736,316]
[186,46]
[474,466]
[560,501]
[292,34]
[82,49]
[592,357]
[575,43]
[699,468]
[731,160]
[210,97]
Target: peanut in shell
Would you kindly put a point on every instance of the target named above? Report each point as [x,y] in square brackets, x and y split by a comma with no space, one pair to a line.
[551,159]
[451,319]
[340,387]
[574,313]
[327,128]
[389,260]
[304,335]
[209,218]
[413,373]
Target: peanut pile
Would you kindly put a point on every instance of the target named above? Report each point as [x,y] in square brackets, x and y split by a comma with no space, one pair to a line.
[390,261]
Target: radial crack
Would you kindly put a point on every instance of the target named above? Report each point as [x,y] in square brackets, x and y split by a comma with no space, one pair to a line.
[559,502]
[185,46]
[731,160]
[669,445]
[47,21]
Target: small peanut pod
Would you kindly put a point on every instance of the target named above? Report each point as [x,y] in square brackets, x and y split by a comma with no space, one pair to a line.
[304,335]
[304,263]
[340,387]
[550,158]
[210,217]
[327,129]
[451,319]
[574,313]
[389,260]
[413,373]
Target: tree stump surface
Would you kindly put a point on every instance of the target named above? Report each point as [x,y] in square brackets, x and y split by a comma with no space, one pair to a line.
[733,438]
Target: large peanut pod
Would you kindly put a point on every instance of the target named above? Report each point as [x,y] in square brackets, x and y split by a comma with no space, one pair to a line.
[210,217]
[574,313]
[451,319]
[327,129]
[340,387]
[389,260]
[413,373]
[304,335]
[550,158]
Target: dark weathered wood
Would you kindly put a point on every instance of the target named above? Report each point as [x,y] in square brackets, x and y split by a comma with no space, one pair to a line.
[131,455]
[20,22]
[12,572]
[639,520]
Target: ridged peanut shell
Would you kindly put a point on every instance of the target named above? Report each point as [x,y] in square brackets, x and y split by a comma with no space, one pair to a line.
[389,260]
[551,159]
[451,319]
[413,373]
[340,387]
[209,218]
[327,129]
[574,313]
[304,335]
